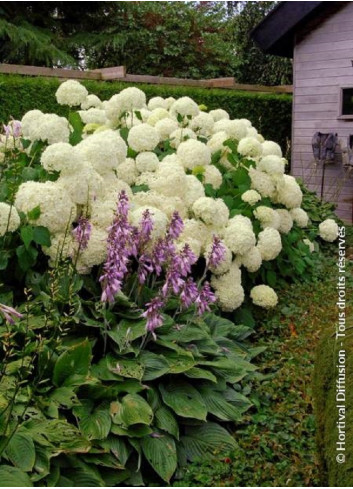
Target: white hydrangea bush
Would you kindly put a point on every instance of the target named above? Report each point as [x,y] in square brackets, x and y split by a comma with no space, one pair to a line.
[167,155]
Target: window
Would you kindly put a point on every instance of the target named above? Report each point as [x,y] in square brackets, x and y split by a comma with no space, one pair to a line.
[346,103]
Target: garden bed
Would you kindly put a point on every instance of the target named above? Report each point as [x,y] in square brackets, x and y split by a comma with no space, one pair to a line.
[282,443]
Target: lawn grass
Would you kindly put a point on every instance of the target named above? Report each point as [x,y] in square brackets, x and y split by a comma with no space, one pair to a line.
[277,442]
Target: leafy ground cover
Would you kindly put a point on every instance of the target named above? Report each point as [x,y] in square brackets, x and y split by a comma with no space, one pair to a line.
[277,442]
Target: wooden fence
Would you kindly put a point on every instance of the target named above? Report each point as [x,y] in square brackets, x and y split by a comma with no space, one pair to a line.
[118,73]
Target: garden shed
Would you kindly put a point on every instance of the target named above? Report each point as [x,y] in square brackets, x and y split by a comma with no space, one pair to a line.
[319,38]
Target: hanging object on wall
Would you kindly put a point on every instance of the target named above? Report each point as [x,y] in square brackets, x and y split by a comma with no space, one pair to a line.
[324,146]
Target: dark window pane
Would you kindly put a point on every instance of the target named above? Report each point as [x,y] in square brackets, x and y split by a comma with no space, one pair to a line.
[347,101]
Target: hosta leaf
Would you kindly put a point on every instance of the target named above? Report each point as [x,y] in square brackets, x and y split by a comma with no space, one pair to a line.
[155,365]
[219,326]
[127,331]
[165,421]
[179,361]
[184,400]
[232,369]
[84,476]
[64,396]
[13,477]
[21,451]
[217,405]
[131,369]
[42,463]
[161,454]
[206,441]
[237,399]
[117,447]
[135,410]
[103,460]
[186,333]
[94,424]
[200,373]
[135,431]
[75,360]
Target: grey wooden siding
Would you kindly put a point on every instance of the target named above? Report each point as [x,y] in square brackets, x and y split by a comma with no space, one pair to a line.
[323,57]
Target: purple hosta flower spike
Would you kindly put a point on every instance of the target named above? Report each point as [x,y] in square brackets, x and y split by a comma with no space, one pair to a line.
[145,267]
[9,313]
[82,232]
[146,227]
[176,226]
[121,244]
[187,259]
[204,299]
[153,315]
[218,252]
[7,130]
[189,293]
[16,129]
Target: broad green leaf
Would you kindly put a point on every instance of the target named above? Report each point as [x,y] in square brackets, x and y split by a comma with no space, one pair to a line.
[42,463]
[200,373]
[161,454]
[127,331]
[131,369]
[95,425]
[21,451]
[4,259]
[77,125]
[14,477]
[64,396]
[27,235]
[26,257]
[155,365]
[34,213]
[184,400]
[206,441]
[165,421]
[135,410]
[103,460]
[187,333]
[118,448]
[41,236]
[86,475]
[232,368]
[217,405]
[271,278]
[75,360]
[179,361]
[219,326]
[135,431]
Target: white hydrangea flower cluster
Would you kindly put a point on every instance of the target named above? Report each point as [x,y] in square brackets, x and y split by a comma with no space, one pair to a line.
[9,218]
[264,296]
[71,93]
[328,230]
[124,146]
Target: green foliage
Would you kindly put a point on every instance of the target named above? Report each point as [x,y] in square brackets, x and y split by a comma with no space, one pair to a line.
[295,262]
[251,64]
[86,402]
[334,474]
[277,441]
[20,94]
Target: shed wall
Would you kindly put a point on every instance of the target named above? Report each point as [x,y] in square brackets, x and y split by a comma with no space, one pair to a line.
[323,64]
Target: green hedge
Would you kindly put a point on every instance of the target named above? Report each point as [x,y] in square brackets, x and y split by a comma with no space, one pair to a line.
[333,473]
[270,114]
